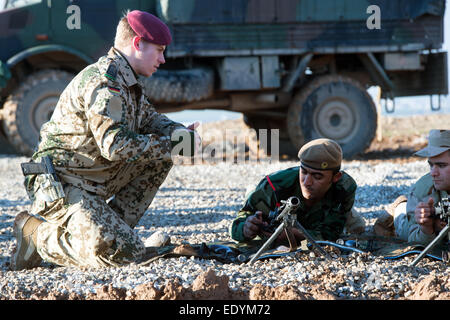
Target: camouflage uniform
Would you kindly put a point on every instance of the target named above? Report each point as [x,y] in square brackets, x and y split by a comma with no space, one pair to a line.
[112,151]
[325,220]
[405,224]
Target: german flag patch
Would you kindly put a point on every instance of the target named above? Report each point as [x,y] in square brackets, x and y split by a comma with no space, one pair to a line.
[113,89]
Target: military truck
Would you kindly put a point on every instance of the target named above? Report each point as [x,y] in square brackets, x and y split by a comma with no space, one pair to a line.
[300,66]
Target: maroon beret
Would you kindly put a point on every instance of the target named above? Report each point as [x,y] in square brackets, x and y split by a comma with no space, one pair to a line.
[149,27]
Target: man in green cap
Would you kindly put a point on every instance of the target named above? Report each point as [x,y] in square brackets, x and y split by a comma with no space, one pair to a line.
[412,218]
[326,193]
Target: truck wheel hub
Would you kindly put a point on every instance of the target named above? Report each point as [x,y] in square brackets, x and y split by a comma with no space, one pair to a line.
[335,119]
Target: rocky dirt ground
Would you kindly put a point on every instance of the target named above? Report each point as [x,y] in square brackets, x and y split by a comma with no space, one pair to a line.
[400,138]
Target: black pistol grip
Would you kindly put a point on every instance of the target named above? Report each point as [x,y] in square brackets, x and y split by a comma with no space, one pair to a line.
[32,168]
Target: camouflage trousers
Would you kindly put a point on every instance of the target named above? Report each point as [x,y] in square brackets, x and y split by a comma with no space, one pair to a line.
[401,223]
[86,230]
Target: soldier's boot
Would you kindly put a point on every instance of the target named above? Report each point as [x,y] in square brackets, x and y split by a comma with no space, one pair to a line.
[25,255]
[354,224]
[384,226]
[158,239]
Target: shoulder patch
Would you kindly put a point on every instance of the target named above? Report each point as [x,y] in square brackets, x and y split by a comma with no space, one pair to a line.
[111,72]
[115,108]
[113,89]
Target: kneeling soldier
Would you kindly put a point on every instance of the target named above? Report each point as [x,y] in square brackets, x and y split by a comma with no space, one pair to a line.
[111,152]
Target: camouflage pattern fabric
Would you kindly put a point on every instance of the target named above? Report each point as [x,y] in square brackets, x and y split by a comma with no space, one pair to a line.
[107,142]
[325,220]
[405,223]
[102,122]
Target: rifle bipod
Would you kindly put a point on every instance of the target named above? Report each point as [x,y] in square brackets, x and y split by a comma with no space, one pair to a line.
[288,219]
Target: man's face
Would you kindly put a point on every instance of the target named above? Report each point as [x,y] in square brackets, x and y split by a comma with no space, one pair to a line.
[148,57]
[440,171]
[315,183]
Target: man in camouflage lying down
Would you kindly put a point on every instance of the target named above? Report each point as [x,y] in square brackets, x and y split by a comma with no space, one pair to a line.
[326,197]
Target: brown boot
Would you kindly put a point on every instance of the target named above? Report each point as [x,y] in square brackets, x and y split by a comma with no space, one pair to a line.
[354,223]
[384,226]
[25,255]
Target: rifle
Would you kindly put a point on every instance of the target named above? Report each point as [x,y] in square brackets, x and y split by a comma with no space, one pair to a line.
[441,210]
[288,219]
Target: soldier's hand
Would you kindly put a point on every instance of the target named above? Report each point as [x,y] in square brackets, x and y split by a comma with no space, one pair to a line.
[439,225]
[253,225]
[193,126]
[423,216]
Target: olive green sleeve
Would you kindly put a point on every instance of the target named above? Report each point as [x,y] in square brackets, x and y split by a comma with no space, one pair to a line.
[331,226]
[334,222]
[261,199]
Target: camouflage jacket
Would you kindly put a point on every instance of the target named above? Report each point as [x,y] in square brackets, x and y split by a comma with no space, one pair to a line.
[420,192]
[104,120]
[325,220]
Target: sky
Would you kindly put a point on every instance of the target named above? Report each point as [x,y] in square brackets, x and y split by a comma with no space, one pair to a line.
[403,106]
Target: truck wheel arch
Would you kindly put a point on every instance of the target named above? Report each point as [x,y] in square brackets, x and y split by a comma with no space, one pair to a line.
[47,48]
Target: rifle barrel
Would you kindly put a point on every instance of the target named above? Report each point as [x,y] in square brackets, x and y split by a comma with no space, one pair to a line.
[431,245]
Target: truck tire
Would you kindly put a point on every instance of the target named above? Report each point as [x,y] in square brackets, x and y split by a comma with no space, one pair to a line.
[180,86]
[30,105]
[334,107]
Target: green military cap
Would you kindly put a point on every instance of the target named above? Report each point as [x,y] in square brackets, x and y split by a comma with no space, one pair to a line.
[321,154]
[438,142]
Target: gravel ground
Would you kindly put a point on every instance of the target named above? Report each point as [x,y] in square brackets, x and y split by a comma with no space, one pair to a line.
[196,204]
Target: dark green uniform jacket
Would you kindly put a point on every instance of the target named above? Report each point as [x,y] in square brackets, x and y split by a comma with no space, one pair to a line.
[325,220]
